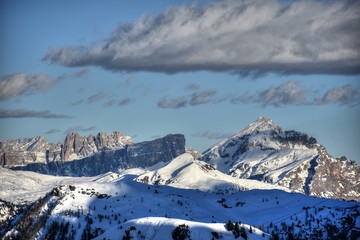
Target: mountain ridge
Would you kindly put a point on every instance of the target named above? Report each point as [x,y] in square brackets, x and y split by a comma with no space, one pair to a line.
[142,154]
[19,152]
[292,159]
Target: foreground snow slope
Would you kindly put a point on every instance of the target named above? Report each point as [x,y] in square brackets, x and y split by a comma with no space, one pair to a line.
[110,204]
[161,228]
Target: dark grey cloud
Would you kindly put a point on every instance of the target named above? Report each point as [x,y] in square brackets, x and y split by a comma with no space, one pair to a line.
[293,93]
[23,84]
[79,129]
[212,135]
[202,97]
[121,102]
[298,37]
[174,103]
[22,113]
[344,95]
[53,131]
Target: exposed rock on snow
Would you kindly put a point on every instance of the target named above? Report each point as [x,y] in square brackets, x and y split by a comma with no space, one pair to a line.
[263,151]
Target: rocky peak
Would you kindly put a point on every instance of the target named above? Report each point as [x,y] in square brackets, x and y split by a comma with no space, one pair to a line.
[262,124]
[112,140]
[76,146]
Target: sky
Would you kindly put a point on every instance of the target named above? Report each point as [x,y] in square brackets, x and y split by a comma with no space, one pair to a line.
[205,69]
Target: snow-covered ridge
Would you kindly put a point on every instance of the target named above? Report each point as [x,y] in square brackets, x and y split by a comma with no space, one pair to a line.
[187,172]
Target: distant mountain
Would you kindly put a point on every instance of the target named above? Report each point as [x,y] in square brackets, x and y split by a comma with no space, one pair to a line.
[110,157]
[20,152]
[265,152]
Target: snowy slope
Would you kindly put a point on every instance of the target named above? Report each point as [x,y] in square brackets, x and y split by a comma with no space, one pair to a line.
[263,151]
[187,172]
[161,228]
[21,187]
[110,204]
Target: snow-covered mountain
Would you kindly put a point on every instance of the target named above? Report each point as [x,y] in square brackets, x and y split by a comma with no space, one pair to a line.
[187,172]
[248,186]
[265,152]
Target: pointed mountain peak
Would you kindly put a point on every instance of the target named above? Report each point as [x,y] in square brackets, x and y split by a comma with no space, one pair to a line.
[262,124]
[262,119]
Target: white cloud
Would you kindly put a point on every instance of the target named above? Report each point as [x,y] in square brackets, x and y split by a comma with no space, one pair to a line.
[23,84]
[303,37]
[344,95]
[175,103]
[293,93]
[287,93]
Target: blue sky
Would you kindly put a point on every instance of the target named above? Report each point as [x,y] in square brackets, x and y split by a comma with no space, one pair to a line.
[202,68]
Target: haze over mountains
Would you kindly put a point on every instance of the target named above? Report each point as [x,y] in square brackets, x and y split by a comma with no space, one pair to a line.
[163,184]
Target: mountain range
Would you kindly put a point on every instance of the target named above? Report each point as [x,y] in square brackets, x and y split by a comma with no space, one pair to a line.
[261,183]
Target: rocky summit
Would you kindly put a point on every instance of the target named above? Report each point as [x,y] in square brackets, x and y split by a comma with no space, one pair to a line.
[20,152]
[264,151]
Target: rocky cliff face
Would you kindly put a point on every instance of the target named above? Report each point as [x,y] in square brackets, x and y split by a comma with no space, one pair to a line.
[27,150]
[77,147]
[21,152]
[142,154]
[265,152]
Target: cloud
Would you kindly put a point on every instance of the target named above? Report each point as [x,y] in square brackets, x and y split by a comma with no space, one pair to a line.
[79,74]
[23,84]
[292,93]
[91,99]
[79,129]
[22,113]
[287,93]
[77,102]
[96,97]
[122,102]
[175,103]
[196,98]
[344,95]
[297,37]
[202,97]
[192,87]
[52,131]
[212,135]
